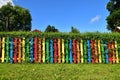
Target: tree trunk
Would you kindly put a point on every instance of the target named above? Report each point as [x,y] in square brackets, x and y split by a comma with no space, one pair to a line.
[7,23]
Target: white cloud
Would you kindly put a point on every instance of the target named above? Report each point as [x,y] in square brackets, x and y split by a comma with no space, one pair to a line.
[4,2]
[96,18]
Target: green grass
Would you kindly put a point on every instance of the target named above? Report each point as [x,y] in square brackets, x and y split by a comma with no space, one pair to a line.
[59,71]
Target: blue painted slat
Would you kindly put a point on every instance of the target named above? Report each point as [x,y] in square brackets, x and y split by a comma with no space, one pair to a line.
[106,52]
[11,50]
[70,45]
[51,51]
[89,52]
[31,50]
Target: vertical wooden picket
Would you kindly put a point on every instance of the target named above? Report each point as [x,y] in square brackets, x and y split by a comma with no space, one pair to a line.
[78,52]
[15,50]
[116,52]
[96,51]
[7,49]
[23,49]
[89,52]
[109,52]
[51,50]
[3,49]
[27,49]
[99,52]
[66,51]
[103,51]
[92,44]
[35,49]
[113,52]
[43,50]
[74,51]
[70,49]
[11,50]
[81,48]
[106,51]
[39,45]
[31,50]
[85,51]
[19,50]
[47,50]
[55,50]
[59,51]
[63,52]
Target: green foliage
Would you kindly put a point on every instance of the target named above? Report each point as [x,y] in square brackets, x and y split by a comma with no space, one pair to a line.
[113,20]
[14,18]
[87,35]
[51,29]
[74,30]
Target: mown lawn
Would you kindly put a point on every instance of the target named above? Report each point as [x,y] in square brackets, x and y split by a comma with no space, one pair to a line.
[59,71]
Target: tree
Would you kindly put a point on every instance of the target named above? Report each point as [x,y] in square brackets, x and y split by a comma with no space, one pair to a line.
[113,20]
[51,29]
[74,30]
[14,18]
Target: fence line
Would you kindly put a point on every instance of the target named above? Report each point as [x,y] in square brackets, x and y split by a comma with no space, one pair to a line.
[44,50]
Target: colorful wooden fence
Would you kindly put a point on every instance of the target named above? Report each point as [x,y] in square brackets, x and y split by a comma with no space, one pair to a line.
[48,50]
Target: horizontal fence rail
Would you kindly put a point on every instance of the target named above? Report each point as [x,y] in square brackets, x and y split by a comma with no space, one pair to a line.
[58,50]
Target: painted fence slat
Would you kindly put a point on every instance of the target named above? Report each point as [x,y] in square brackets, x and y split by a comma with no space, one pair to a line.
[51,51]
[70,49]
[78,52]
[23,49]
[43,50]
[110,52]
[63,51]
[106,52]
[103,51]
[27,50]
[35,49]
[7,49]
[11,50]
[55,50]
[66,51]
[74,51]
[99,52]
[113,52]
[85,51]
[116,52]
[31,50]
[3,50]
[19,50]
[39,50]
[47,50]
[59,51]
[89,52]
[81,49]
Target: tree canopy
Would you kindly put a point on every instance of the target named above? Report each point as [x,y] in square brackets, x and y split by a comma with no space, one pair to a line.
[113,20]
[51,29]
[74,30]
[14,18]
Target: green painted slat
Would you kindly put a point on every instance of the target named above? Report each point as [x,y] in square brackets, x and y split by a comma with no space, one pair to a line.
[47,51]
[7,49]
[66,51]
[103,51]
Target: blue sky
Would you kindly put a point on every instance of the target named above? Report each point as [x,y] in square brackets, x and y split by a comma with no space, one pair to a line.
[85,15]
